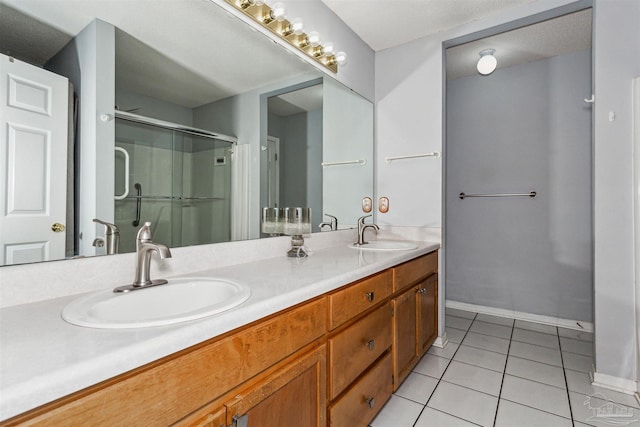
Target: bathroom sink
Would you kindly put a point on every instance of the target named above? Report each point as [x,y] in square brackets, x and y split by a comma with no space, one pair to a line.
[180,300]
[385,245]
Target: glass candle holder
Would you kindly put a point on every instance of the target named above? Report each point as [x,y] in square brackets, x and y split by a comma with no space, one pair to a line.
[272,221]
[297,221]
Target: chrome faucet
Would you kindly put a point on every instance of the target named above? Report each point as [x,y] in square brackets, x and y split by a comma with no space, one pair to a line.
[333,224]
[145,247]
[111,237]
[361,229]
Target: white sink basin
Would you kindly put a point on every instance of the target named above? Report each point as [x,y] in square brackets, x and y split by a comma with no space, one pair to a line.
[180,300]
[386,245]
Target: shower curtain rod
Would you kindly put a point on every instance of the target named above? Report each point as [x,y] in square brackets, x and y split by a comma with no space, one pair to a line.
[174,126]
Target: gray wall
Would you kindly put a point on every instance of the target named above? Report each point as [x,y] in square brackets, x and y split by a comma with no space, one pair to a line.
[520,129]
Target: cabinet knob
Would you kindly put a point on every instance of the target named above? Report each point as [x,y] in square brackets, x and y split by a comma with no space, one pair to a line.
[421,291]
[369,296]
[371,344]
[371,402]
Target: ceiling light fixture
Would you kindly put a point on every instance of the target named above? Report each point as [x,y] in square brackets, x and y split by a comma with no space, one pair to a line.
[272,16]
[487,62]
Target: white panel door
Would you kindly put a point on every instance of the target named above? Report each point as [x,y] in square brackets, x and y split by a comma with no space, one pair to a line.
[33,159]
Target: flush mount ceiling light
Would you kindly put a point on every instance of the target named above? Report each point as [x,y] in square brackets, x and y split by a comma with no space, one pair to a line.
[272,16]
[487,62]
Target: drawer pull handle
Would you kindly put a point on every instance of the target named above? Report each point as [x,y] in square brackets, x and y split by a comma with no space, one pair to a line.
[371,344]
[422,291]
[369,296]
[371,402]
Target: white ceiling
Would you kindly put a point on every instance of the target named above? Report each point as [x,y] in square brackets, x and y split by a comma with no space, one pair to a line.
[568,33]
[168,61]
[384,24]
[387,23]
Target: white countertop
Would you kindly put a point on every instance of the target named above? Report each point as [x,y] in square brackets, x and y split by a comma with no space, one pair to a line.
[43,358]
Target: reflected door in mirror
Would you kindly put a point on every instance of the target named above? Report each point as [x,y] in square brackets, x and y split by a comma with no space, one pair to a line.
[33,143]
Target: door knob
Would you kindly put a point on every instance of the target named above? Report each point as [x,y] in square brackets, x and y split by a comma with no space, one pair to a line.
[57,227]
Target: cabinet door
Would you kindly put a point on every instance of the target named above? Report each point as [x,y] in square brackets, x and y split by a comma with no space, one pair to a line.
[292,396]
[427,313]
[404,335]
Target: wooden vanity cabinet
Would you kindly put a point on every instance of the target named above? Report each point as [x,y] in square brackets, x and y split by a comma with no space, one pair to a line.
[329,361]
[415,316]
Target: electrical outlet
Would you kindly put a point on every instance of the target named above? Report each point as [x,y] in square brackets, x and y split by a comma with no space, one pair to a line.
[367,204]
[383,204]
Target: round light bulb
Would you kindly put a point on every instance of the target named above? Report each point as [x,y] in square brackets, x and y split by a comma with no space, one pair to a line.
[314,38]
[297,26]
[328,48]
[487,62]
[279,12]
[341,58]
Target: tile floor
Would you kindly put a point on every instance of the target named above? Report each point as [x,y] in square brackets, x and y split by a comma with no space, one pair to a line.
[505,373]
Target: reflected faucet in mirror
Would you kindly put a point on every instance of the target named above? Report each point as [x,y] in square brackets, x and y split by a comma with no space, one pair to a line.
[145,247]
[332,224]
[111,237]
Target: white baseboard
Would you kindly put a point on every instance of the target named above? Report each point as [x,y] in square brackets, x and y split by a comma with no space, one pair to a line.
[622,385]
[519,315]
[441,341]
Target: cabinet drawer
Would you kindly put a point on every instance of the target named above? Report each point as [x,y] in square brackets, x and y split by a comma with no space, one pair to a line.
[410,272]
[349,302]
[355,348]
[361,404]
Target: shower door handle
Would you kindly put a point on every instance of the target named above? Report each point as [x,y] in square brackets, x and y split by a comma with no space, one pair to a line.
[138,188]
[126,173]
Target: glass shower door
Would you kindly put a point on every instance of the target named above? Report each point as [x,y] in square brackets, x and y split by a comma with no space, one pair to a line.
[179,180]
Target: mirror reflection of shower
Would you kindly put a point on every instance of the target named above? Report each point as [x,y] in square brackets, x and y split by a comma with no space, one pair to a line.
[176,177]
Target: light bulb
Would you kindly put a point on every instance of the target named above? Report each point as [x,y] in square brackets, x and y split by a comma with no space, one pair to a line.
[297,26]
[487,62]
[279,12]
[341,58]
[328,48]
[314,38]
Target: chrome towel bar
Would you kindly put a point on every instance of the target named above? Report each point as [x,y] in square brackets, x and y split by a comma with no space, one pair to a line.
[532,194]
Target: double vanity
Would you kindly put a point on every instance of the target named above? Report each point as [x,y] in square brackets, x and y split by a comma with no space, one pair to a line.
[322,340]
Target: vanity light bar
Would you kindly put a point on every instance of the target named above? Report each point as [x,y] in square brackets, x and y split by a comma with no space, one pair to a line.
[273,20]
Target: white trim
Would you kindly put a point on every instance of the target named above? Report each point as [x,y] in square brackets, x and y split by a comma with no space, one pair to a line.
[622,385]
[520,315]
[636,215]
[441,341]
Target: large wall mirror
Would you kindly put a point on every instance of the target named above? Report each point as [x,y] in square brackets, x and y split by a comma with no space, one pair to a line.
[127,111]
